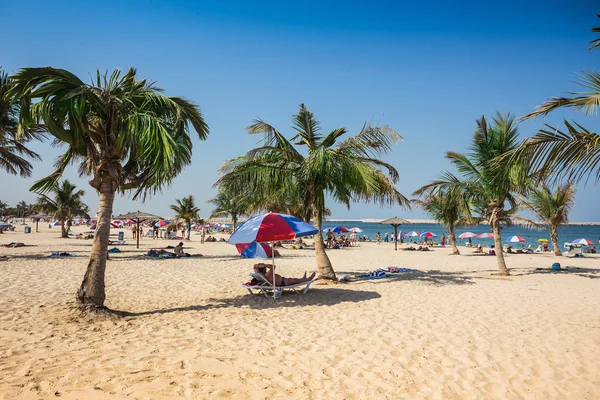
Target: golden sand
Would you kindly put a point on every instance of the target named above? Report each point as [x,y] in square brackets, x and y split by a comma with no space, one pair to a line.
[453,330]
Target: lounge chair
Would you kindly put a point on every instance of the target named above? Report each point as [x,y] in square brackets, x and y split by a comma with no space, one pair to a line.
[265,287]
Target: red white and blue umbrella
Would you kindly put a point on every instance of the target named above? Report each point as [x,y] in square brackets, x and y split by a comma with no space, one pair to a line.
[428,234]
[56,223]
[271,227]
[356,229]
[337,229]
[515,239]
[254,250]
[162,223]
[412,234]
[583,241]
[486,235]
[467,235]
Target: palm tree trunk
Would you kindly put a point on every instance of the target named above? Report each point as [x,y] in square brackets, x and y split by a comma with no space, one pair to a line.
[324,266]
[189,228]
[498,245]
[554,238]
[234,222]
[91,294]
[63,230]
[453,241]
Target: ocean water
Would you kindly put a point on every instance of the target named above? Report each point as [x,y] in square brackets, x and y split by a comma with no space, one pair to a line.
[565,233]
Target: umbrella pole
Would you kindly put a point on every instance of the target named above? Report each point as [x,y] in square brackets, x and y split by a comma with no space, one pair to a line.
[395,237]
[273,261]
[137,234]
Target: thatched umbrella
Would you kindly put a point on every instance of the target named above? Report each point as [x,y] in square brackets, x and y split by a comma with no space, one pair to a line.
[395,222]
[139,217]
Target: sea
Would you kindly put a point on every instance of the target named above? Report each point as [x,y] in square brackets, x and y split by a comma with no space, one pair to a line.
[567,233]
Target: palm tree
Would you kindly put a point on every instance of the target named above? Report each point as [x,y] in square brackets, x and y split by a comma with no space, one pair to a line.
[351,170]
[574,151]
[65,204]
[227,204]
[22,209]
[551,207]
[489,180]
[13,152]
[3,208]
[186,210]
[449,208]
[124,133]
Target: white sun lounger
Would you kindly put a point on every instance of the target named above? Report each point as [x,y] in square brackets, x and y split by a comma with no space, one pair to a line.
[265,287]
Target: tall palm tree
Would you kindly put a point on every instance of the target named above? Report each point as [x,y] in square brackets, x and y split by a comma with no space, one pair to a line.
[3,208]
[574,151]
[551,207]
[489,180]
[450,208]
[65,204]
[13,152]
[228,204]
[124,133]
[186,210]
[316,165]
[22,209]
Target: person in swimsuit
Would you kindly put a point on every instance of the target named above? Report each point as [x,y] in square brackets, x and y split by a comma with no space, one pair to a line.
[267,271]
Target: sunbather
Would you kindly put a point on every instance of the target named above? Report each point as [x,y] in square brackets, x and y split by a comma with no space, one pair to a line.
[479,249]
[13,244]
[267,271]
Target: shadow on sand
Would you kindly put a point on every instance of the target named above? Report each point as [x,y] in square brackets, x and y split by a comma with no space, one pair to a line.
[319,297]
[432,277]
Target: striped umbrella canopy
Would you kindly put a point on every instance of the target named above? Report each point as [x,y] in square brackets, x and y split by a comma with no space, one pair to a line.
[583,241]
[467,235]
[271,227]
[412,234]
[356,229]
[428,234]
[486,235]
[254,250]
[162,223]
[515,239]
[337,229]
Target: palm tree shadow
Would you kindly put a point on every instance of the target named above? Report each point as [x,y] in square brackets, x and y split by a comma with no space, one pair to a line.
[315,297]
[590,273]
[432,277]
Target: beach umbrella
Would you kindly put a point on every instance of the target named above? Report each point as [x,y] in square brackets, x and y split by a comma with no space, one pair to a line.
[271,227]
[412,234]
[583,241]
[138,217]
[542,240]
[467,235]
[428,234]
[336,229]
[162,223]
[515,239]
[356,229]
[395,222]
[486,235]
[56,223]
[254,250]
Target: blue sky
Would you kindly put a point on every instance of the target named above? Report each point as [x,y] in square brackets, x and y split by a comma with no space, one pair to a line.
[428,69]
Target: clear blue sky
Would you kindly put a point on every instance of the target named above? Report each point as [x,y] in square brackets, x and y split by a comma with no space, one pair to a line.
[428,69]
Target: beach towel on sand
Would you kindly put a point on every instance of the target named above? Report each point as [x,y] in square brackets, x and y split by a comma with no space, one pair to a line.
[377,274]
[62,254]
[396,270]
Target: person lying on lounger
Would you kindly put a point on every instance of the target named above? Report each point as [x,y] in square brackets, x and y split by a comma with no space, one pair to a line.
[479,249]
[267,271]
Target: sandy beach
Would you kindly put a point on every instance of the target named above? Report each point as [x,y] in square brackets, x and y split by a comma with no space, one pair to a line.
[451,330]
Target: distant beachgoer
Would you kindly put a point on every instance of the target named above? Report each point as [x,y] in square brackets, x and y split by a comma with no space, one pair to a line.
[386,237]
[202,234]
[469,242]
[330,236]
[378,238]
[443,239]
[479,249]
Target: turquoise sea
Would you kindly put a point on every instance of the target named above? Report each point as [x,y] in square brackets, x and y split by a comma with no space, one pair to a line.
[565,233]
